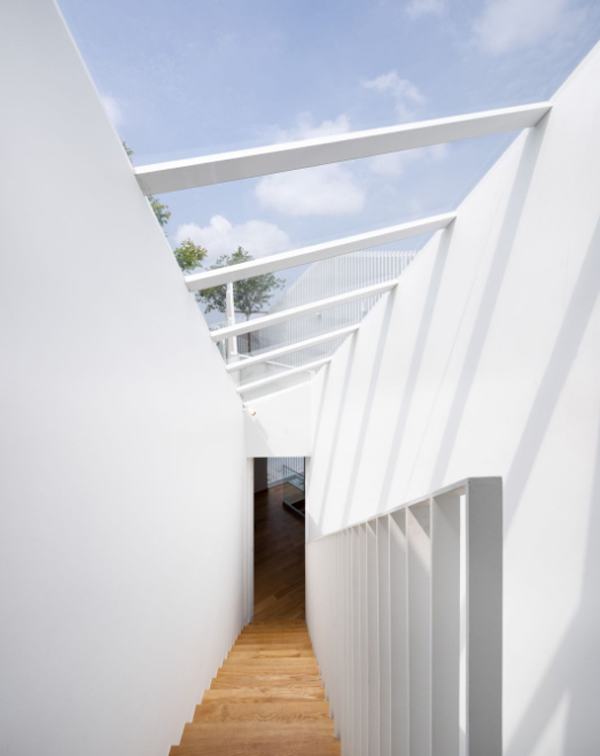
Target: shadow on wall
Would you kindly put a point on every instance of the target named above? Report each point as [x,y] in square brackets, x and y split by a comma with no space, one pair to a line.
[564,678]
[579,310]
[489,299]
[415,366]
[574,678]
[364,423]
[337,426]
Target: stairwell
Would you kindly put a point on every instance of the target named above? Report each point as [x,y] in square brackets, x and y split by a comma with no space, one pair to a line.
[266,699]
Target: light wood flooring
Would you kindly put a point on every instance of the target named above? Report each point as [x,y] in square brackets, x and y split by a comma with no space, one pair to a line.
[278,557]
[266,700]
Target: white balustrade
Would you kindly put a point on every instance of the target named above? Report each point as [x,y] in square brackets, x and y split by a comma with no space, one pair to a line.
[405,615]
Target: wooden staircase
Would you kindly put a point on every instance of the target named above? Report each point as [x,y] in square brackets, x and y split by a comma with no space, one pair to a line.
[267,699]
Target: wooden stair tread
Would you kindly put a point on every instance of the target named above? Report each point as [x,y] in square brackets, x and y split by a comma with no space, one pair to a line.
[262,680]
[266,700]
[271,653]
[282,711]
[260,693]
[267,747]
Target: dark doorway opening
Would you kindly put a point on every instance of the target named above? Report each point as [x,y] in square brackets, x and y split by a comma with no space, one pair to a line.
[279,528]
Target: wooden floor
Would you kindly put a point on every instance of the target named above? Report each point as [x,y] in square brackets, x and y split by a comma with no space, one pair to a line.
[278,558]
[266,700]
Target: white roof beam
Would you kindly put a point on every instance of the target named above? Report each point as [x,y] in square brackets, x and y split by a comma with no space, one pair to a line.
[273,354]
[274,318]
[273,378]
[242,164]
[232,273]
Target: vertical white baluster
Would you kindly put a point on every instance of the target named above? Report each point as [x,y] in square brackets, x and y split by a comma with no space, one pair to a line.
[364,644]
[331,655]
[356,645]
[399,634]
[336,646]
[484,580]
[346,741]
[445,624]
[419,628]
[385,649]
[373,631]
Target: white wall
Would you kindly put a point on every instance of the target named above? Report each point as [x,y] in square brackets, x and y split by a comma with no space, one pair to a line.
[122,439]
[279,424]
[486,361]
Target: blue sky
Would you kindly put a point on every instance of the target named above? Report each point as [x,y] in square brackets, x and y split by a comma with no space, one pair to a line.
[186,78]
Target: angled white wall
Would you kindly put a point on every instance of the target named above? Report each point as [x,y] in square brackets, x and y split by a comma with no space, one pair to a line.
[279,424]
[486,361]
[122,439]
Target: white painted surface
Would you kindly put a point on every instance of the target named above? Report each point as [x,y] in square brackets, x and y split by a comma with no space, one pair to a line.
[310,367]
[122,444]
[294,312]
[316,252]
[232,166]
[279,425]
[325,279]
[409,687]
[486,361]
[274,354]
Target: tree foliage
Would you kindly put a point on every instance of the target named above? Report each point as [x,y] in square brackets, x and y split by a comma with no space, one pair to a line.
[249,296]
[161,211]
[188,255]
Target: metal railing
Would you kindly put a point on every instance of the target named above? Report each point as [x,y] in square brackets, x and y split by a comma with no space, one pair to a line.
[405,615]
[282,469]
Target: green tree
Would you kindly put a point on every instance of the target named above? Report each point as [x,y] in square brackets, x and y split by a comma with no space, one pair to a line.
[188,255]
[250,296]
[161,211]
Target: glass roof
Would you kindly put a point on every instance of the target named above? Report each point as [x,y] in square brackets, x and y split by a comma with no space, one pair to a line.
[194,78]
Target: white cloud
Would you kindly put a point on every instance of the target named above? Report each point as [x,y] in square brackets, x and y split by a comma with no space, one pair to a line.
[396,163]
[113,109]
[439,151]
[406,95]
[305,128]
[507,25]
[393,164]
[408,100]
[325,190]
[221,237]
[418,8]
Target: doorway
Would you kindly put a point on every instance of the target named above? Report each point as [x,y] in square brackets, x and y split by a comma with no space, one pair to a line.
[279,528]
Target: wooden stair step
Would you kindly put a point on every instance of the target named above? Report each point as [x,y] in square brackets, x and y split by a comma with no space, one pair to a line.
[260,693]
[266,700]
[247,644]
[279,666]
[281,712]
[271,653]
[266,747]
[262,730]
[264,680]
